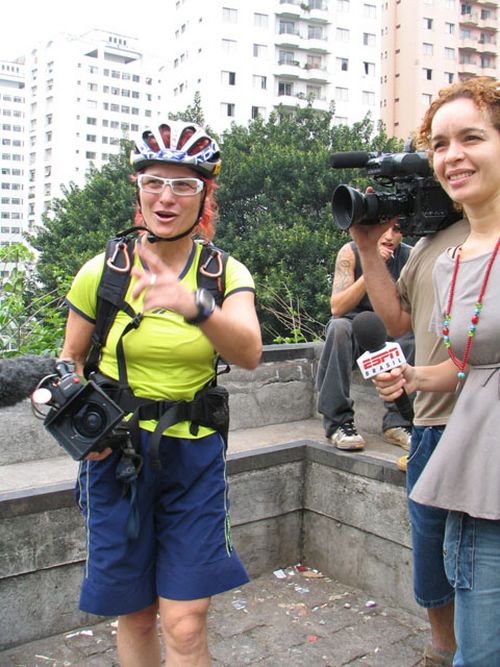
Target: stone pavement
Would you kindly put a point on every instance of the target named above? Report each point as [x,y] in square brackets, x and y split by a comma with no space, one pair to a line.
[294,617]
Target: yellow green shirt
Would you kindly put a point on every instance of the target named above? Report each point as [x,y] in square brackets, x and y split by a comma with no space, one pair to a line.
[166,358]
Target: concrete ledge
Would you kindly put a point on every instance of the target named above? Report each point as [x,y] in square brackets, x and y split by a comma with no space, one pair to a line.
[293,502]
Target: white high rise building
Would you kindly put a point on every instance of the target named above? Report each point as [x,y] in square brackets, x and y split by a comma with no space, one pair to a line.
[84,94]
[246,58]
[12,109]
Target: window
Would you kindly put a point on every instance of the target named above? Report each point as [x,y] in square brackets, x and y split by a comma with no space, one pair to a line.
[368,98]
[449,54]
[229,46]
[285,88]
[90,155]
[466,9]
[370,11]
[314,32]
[313,92]
[427,74]
[368,39]
[286,57]
[448,77]
[228,108]
[91,137]
[287,28]
[91,121]
[92,87]
[427,49]
[368,68]
[229,15]
[342,64]
[426,99]
[315,62]
[449,28]
[427,23]
[259,50]
[257,111]
[228,78]
[343,6]
[341,94]
[260,21]
[342,35]
[259,82]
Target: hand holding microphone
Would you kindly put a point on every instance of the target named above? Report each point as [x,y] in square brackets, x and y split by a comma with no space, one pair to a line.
[383,362]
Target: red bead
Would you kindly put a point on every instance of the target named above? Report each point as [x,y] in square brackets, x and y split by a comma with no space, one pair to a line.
[446,331]
[475,319]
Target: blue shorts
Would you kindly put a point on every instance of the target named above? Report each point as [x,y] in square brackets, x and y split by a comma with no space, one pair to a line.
[183,551]
[430,582]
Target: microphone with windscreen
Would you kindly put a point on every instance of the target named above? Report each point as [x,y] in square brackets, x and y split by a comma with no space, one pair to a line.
[380,356]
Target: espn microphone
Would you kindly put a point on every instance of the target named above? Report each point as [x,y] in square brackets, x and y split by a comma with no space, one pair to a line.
[380,356]
[19,377]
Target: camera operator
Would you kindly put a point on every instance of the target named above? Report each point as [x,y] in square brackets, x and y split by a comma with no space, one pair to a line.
[183,553]
[403,306]
[340,351]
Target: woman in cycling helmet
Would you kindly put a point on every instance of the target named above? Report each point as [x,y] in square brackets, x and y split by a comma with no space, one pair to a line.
[182,553]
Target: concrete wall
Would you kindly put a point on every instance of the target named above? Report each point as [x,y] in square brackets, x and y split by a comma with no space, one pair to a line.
[281,389]
[300,501]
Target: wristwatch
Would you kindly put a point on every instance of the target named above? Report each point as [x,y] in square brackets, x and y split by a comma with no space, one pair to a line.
[205,303]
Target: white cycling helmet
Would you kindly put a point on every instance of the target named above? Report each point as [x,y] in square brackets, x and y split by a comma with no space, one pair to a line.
[177,142]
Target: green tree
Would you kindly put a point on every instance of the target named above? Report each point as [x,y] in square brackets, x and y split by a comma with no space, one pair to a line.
[31,320]
[193,112]
[80,222]
[275,209]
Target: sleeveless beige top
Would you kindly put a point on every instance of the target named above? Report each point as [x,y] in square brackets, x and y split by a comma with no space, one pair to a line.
[463,474]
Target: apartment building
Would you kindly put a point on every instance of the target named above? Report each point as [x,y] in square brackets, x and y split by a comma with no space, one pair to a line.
[12,109]
[428,44]
[83,95]
[245,58]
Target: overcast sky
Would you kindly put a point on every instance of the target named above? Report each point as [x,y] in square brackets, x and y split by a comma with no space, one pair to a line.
[23,23]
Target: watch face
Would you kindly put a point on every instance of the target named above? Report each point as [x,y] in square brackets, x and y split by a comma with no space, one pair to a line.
[205,301]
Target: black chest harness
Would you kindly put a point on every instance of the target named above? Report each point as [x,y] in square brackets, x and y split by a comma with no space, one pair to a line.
[210,405]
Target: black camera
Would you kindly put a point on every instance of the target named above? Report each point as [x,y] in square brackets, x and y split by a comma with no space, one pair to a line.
[81,416]
[418,201]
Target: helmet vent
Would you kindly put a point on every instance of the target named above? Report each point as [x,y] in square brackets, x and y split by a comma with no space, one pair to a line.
[165,135]
[186,135]
[150,140]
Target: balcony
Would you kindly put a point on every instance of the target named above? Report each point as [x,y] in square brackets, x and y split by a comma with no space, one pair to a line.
[468,43]
[487,47]
[289,9]
[471,19]
[316,15]
[289,69]
[314,74]
[487,24]
[318,44]
[469,69]
[291,39]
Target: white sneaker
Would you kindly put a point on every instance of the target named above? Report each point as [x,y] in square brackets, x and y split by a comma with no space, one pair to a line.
[346,437]
[400,436]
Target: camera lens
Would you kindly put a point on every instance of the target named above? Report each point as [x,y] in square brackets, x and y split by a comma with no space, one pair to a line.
[90,420]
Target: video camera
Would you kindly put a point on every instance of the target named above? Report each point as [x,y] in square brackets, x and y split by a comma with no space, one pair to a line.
[81,416]
[418,201]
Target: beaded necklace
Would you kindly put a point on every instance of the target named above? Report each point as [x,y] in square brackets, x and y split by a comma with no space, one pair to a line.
[475,318]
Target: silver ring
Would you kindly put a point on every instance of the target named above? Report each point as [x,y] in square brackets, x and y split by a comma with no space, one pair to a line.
[152,279]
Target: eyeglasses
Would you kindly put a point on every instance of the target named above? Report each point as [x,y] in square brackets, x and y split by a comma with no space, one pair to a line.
[182,187]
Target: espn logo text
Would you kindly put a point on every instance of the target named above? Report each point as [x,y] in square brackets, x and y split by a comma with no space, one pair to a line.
[373,363]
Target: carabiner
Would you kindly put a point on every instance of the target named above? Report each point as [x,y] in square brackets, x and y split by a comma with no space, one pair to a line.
[121,245]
